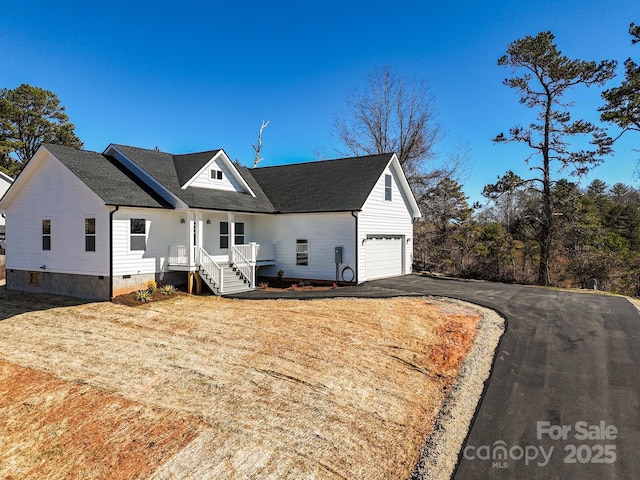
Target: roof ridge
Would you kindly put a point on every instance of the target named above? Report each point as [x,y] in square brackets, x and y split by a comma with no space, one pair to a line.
[326,160]
[152,150]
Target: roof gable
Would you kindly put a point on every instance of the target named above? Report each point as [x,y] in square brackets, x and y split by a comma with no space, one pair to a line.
[102,174]
[160,169]
[189,165]
[218,160]
[324,186]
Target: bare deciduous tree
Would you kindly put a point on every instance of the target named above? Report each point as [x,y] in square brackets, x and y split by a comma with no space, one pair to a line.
[257,159]
[391,114]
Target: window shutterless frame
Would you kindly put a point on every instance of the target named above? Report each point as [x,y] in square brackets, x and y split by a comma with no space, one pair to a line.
[137,234]
[387,187]
[89,234]
[46,234]
[302,252]
[239,233]
[224,235]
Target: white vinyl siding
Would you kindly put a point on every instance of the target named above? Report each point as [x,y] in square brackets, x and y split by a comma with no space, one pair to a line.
[381,218]
[223,179]
[163,228]
[5,183]
[54,193]
[325,231]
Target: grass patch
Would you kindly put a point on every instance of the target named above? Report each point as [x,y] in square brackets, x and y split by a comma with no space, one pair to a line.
[340,388]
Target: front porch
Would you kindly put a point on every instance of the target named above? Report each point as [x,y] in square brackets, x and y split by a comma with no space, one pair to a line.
[224,274]
[215,251]
[260,254]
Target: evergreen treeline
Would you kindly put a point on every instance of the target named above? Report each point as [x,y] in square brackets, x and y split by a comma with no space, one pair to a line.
[597,236]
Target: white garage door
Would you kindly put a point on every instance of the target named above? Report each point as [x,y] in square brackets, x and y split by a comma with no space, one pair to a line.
[384,257]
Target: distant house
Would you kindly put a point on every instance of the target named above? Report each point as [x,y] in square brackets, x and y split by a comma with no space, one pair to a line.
[95,225]
[5,183]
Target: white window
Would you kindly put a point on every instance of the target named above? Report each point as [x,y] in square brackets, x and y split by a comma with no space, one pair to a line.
[387,187]
[216,174]
[302,252]
[46,234]
[89,234]
[224,235]
[239,234]
[138,234]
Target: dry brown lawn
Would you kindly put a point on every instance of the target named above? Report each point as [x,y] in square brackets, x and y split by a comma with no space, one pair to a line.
[202,387]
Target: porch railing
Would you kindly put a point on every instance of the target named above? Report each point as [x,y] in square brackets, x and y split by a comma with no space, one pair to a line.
[246,268]
[264,251]
[246,251]
[178,255]
[257,252]
[212,269]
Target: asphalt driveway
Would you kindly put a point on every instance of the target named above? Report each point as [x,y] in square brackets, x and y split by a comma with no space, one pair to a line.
[563,398]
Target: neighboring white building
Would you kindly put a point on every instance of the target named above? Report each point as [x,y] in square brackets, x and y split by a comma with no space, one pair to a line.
[5,183]
[97,225]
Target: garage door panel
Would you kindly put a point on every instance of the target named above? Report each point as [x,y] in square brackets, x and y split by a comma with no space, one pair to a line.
[384,257]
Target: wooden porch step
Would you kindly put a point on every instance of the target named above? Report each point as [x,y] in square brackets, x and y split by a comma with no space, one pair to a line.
[232,282]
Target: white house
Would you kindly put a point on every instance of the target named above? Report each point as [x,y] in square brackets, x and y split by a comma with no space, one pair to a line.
[5,183]
[97,225]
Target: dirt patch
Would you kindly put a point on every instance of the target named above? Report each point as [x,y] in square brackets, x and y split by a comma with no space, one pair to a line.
[131,299]
[341,388]
[59,429]
[292,285]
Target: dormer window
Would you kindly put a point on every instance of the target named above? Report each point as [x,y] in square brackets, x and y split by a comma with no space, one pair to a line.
[216,174]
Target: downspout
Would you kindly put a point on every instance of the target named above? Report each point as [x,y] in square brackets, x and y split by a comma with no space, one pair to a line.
[356,244]
[111,251]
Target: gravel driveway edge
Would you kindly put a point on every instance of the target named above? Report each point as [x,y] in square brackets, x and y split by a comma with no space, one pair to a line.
[440,453]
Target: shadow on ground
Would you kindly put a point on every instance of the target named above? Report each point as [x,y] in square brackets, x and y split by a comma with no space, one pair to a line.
[14,303]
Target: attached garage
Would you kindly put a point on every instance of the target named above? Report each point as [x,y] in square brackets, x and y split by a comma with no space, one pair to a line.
[384,256]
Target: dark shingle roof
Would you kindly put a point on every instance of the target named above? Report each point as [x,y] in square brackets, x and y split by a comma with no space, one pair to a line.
[172,170]
[326,186]
[188,165]
[107,178]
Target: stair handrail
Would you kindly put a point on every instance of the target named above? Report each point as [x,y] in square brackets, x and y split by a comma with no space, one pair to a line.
[210,266]
[243,265]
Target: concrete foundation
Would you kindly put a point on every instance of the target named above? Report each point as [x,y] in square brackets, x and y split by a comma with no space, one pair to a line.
[87,287]
[131,283]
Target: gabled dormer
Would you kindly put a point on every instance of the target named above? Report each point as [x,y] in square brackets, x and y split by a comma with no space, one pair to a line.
[214,171]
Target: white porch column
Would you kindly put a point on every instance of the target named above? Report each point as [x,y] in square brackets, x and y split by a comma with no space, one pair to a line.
[191,222]
[231,219]
[199,230]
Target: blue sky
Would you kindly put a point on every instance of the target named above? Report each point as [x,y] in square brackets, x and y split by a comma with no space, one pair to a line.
[189,76]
